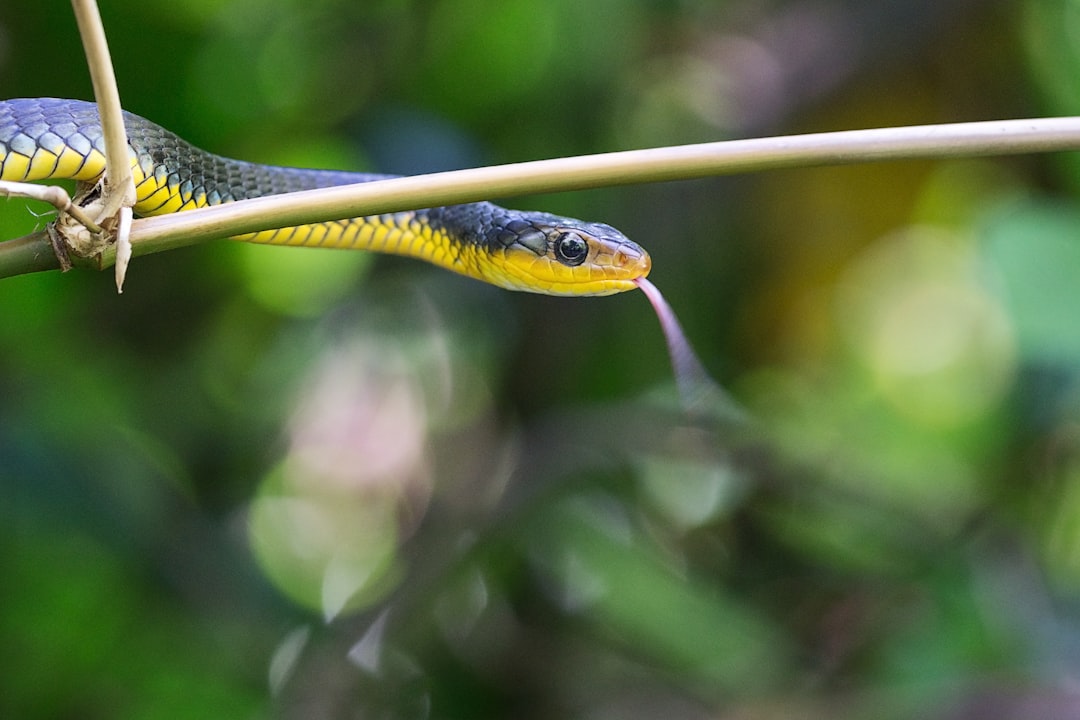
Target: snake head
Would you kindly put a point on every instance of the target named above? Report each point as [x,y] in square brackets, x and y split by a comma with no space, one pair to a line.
[538,252]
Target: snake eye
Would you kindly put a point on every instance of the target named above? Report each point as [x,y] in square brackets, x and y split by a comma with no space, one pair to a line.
[571,249]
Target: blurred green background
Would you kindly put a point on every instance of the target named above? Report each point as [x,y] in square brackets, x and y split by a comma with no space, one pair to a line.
[290,483]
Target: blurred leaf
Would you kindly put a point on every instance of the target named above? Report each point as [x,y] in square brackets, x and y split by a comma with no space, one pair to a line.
[300,281]
[1033,255]
[635,597]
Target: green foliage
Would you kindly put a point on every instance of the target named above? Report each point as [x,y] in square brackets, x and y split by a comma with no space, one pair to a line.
[297,483]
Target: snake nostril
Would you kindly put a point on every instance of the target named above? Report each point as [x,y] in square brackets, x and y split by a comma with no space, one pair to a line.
[630,258]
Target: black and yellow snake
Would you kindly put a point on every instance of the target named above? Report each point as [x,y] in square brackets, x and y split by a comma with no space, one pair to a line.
[47,138]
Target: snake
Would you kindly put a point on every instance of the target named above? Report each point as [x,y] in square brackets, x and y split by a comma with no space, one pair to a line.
[532,251]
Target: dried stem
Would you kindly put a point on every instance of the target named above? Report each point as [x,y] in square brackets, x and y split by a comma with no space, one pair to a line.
[1001,137]
[120,188]
[52,194]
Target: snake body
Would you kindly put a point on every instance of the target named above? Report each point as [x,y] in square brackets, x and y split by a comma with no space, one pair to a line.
[48,138]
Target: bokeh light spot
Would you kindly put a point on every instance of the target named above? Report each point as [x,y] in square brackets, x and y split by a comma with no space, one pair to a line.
[938,344]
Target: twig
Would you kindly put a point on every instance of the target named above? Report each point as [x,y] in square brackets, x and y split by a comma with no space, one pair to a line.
[28,254]
[52,194]
[611,169]
[119,193]
[684,162]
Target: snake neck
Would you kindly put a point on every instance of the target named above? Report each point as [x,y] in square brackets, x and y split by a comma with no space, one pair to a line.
[173,175]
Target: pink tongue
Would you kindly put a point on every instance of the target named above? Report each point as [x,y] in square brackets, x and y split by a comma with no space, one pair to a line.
[692,380]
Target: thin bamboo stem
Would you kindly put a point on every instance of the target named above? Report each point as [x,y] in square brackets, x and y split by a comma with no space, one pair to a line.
[610,169]
[120,188]
[1002,137]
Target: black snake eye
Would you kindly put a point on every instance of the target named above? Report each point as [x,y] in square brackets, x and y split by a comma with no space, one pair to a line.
[571,249]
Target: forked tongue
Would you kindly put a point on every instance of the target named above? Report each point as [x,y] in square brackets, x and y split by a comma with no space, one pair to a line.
[697,391]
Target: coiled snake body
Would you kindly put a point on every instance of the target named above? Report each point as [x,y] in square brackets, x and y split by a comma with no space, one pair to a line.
[47,138]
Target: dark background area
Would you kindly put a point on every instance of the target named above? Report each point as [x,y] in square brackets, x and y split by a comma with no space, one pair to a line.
[294,483]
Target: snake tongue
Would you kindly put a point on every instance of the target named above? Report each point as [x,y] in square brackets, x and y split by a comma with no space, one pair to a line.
[691,378]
